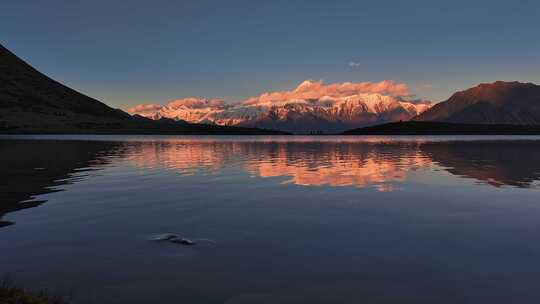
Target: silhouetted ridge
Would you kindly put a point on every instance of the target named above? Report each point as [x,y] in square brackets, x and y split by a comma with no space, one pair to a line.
[489,103]
[31,102]
[26,88]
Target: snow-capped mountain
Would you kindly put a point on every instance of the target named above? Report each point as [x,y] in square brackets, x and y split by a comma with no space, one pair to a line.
[312,106]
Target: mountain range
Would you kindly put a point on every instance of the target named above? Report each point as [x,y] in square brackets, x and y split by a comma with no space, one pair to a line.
[31,102]
[487,109]
[314,106]
[311,107]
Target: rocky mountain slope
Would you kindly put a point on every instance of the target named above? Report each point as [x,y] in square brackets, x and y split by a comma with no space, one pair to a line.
[490,103]
[31,102]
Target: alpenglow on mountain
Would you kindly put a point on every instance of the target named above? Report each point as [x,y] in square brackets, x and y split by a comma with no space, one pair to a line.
[311,107]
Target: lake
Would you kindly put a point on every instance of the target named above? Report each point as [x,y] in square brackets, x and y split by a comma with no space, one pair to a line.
[288,219]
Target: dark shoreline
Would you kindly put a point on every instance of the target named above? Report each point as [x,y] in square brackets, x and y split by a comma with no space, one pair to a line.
[443,128]
[394,128]
[150,129]
[11,294]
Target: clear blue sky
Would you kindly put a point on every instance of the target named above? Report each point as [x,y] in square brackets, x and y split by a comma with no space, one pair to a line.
[130,52]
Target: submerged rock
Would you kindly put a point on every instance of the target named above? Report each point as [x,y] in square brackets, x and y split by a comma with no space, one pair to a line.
[166,237]
[176,239]
[182,241]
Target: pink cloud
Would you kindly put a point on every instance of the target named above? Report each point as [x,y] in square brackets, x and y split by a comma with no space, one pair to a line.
[310,89]
[144,108]
[307,90]
[189,102]
[194,102]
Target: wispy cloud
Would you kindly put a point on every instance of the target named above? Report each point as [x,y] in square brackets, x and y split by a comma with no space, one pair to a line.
[425,86]
[354,64]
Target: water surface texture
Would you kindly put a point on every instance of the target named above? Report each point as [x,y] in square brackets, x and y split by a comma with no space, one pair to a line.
[275,219]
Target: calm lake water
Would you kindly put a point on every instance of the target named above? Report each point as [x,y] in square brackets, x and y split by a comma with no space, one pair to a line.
[290,219]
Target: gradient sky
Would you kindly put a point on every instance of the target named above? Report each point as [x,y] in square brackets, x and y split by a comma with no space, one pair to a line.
[130,52]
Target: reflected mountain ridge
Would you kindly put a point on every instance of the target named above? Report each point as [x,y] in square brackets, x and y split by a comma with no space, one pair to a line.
[513,163]
[35,167]
[351,163]
[307,163]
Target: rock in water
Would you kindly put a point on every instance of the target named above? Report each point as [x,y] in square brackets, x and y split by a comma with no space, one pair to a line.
[182,241]
[166,237]
[174,238]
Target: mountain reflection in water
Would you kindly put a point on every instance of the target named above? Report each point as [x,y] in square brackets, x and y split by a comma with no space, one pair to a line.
[34,167]
[349,163]
[303,163]
[292,219]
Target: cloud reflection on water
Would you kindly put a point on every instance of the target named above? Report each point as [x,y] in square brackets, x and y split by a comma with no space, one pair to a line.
[34,167]
[349,163]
